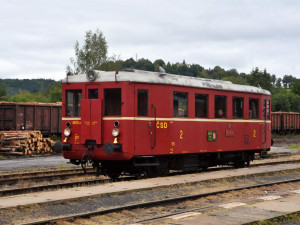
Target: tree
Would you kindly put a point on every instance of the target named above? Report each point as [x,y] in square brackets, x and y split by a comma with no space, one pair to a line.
[235,80]
[232,73]
[196,70]
[91,55]
[260,79]
[278,83]
[2,91]
[56,93]
[296,87]
[129,64]
[288,81]
[217,73]
[26,96]
[112,65]
[144,64]
[286,101]
[273,79]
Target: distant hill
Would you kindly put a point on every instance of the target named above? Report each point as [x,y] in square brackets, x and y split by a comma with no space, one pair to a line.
[31,85]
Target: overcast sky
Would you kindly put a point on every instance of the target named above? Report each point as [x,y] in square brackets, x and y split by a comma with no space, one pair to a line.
[38,36]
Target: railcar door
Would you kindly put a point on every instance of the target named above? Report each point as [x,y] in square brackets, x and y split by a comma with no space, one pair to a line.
[91,115]
[144,125]
[266,118]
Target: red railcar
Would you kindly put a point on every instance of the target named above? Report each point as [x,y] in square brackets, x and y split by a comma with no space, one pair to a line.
[149,122]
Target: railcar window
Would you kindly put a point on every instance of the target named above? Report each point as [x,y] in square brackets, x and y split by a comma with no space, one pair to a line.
[253,108]
[142,103]
[264,110]
[180,104]
[220,106]
[268,109]
[112,102]
[93,93]
[73,98]
[237,108]
[201,106]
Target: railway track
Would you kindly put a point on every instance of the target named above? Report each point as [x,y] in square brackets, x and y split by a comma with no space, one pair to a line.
[24,190]
[10,179]
[172,200]
[21,174]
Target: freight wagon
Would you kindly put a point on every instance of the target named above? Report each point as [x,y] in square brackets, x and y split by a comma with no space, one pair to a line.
[285,122]
[45,117]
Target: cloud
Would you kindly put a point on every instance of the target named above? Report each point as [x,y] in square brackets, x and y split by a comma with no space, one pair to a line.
[37,37]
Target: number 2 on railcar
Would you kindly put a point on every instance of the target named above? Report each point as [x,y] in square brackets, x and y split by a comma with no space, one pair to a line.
[139,122]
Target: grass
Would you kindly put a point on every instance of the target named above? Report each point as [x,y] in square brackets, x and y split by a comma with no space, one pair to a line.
[285,135]
[2,157]
[294,146]
[63,166]
[293,218]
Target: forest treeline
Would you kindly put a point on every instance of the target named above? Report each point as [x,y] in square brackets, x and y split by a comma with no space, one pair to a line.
[285,91]
[30,90]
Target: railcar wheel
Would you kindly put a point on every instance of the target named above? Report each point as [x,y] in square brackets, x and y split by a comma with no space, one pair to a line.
[204,168]
[113,174]
[248,163]
[114,177]
[239,164]
[151,172]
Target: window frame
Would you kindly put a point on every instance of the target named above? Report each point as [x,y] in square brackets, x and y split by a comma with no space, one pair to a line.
[207,105]
[268,110]
[147,104]
[76,107]
[186,113]
[90,93]
[225,111]
[257,108]
[105,100]
[242,110]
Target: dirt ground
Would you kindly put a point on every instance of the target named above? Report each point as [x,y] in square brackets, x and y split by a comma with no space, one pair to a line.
[282,141]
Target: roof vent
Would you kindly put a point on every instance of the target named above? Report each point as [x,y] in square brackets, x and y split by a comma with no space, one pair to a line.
[91,75]
[162,72]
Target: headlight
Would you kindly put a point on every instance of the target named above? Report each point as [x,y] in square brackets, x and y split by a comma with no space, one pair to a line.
[115,132]
[67,132]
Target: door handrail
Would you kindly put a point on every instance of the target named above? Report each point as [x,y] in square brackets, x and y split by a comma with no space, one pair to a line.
[154,145]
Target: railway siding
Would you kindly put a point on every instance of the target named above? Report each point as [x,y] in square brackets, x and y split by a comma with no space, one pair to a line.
[138,185]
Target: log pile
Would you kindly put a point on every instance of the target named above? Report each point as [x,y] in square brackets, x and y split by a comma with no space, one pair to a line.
[24,143]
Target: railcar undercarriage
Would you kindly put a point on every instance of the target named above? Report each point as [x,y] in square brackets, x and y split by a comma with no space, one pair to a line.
[152,166]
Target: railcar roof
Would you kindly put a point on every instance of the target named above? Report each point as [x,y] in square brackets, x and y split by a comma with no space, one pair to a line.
[156,78]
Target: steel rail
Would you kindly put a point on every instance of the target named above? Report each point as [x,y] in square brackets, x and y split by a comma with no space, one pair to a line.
[275,163]
[154,203]
[18,191]
[11,181]
[38,173]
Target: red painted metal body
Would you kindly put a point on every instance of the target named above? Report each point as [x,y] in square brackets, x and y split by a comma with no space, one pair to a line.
[162,134]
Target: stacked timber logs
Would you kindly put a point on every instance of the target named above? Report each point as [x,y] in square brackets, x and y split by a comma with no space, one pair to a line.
[24,143]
